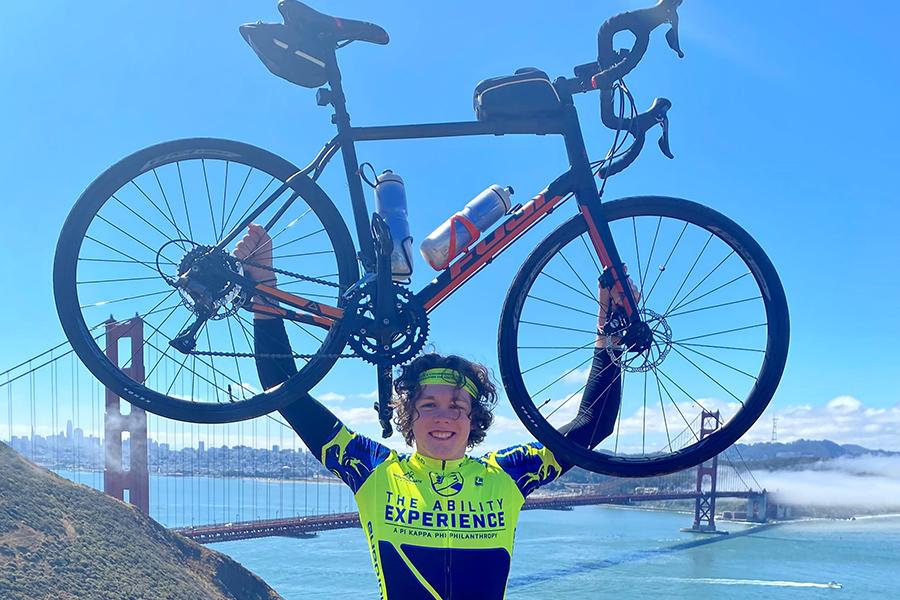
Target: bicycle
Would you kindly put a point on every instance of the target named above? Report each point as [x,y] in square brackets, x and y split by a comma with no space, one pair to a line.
[141,205]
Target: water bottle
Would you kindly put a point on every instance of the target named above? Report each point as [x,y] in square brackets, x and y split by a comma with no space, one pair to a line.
[462,229]
[390,203]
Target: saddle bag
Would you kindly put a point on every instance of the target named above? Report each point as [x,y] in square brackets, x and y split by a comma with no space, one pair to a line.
[528,92]
[288,53]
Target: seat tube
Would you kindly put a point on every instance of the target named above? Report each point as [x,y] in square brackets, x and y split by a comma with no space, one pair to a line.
[588,197]
[341,119]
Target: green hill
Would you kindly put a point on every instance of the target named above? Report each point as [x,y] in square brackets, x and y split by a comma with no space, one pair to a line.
[62,540]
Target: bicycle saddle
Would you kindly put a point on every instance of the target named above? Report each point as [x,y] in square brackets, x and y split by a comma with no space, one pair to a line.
[301,17]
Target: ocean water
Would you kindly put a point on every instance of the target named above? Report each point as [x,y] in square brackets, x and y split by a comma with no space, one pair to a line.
[588,552]
[603,552]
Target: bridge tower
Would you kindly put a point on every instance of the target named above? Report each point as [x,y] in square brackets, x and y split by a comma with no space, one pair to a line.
[705,504]
[136,478]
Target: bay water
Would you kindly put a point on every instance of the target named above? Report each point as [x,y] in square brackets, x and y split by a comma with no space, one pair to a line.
[588,552]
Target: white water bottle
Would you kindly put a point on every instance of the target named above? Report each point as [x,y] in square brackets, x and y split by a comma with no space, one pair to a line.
[462,229]
[390,202]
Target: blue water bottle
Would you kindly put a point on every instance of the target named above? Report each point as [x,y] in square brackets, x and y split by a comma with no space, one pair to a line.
[390,203]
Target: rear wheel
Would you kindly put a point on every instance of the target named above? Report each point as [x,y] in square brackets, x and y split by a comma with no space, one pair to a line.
[142,222]
[720,326]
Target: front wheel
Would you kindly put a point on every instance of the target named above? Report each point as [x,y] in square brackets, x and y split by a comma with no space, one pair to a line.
[720,327]
[148,219]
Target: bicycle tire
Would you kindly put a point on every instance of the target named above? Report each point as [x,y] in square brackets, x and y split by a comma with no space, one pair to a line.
[772,365]
[152,161]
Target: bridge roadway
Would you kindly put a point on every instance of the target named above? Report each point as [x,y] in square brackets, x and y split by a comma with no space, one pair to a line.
[308,526]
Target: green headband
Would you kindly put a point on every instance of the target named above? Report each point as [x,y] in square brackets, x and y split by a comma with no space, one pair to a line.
[448,377]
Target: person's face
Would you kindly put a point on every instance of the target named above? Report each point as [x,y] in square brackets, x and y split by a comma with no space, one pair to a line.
[442,421]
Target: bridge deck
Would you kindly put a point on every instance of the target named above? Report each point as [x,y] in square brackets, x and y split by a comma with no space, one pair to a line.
[306,526]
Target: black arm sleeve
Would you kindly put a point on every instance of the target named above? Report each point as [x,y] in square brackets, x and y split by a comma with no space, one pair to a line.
[314,423]
[599,406]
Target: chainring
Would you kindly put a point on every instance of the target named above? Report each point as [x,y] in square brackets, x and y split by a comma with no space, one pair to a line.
[411,332]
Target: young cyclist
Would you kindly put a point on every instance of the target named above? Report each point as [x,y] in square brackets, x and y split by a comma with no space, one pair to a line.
[439,522]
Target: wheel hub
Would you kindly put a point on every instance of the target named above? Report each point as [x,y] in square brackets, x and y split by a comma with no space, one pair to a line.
[204,285]
[647,343]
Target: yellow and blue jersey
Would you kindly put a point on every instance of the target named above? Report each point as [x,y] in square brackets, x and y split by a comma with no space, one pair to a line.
[438,528]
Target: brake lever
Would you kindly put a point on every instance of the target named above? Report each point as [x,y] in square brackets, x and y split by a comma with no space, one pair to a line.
[672,33]
[664,138]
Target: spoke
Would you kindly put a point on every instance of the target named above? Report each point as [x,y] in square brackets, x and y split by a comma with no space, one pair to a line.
[753,377]
[293,221]
[155,252]
[150,266]
[706,335]
[177,373]
[619,417]
[721,347]
[662,409]
[699,283]
[715,289]
[224,202]
[690,271]
[582,388]
[163,354]
[158,209]
[255,200]
[105,302]
[567,373]
[546,362]
[218,389]
[644,424]
[577,291]
[590,252]
[637,253]
[666,263]
[578,310]
[316,253]
[116,260]
[693,310]
[557,327]
[168,206]
[116,280]
[272,337]
[553,347]
[302,237]
[213,361]
[158,230]
[649,259]
[237,366]
[675,404]
[684,391]
[236,199]
[577,276]
[711,378]
[187,213]
[212,217]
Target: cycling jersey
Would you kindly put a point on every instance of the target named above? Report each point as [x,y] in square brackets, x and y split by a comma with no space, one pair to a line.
[435,529]
[438,528]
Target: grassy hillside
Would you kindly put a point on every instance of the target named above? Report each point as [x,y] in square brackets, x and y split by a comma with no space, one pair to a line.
[61,540]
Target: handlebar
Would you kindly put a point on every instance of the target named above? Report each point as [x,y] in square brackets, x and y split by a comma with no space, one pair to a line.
[615,64]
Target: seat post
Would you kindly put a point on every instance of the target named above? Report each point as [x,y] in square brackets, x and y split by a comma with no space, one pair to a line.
[341,119]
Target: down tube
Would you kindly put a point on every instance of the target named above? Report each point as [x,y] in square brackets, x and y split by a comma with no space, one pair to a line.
[489,247]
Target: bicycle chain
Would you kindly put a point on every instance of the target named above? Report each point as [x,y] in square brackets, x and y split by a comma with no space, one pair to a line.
[267,355]
[253,355]
[289,273]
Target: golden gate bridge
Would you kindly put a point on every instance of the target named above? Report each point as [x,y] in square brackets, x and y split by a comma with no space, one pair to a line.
[254,479]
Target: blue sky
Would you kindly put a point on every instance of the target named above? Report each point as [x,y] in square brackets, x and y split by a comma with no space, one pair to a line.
[782,119]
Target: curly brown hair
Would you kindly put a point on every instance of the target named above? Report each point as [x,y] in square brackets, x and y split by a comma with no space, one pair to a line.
[407,390]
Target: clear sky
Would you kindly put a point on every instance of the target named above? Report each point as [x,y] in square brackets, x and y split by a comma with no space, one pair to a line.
[783,119]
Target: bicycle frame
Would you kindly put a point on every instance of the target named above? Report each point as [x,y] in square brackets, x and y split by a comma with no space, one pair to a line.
[578,181]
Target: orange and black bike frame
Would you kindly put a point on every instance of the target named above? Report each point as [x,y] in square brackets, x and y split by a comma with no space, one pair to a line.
[578,181]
